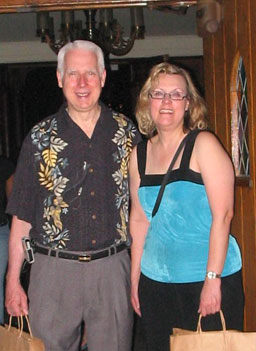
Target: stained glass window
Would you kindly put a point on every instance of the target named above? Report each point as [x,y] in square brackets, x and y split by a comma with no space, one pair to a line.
[239,123]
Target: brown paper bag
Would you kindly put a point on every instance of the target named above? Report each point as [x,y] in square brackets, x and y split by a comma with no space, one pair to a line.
[13,339]
[223,340]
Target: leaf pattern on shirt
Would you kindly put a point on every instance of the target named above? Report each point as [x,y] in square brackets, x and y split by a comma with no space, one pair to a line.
[49,145]
[45,177]
[50,157]
[59,185]
[57,144]
[123,138]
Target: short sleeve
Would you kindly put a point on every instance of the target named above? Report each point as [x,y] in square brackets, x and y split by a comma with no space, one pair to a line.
[23,196]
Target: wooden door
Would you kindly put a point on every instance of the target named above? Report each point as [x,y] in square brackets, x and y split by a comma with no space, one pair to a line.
[230,80]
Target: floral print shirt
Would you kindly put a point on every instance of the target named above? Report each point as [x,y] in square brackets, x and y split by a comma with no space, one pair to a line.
[74,189]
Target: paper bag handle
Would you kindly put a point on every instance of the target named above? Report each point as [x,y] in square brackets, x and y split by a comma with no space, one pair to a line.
[20,325]
[199,328]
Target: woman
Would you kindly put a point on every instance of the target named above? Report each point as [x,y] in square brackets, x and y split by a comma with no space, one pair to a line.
[184,261]
[6,179]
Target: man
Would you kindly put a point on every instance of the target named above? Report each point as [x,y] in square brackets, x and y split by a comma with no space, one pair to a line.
[71,196]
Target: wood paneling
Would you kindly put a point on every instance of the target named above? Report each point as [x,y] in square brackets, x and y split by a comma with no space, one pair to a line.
[237,36]
[220,85]
[52,5]
[209,80]
[252,20]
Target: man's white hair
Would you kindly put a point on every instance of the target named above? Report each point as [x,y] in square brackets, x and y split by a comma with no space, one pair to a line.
[83,45]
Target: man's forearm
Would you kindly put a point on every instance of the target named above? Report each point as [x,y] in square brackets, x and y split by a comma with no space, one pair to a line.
[19,229]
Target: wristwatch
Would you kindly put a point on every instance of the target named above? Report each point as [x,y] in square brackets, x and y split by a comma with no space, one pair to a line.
[212,275]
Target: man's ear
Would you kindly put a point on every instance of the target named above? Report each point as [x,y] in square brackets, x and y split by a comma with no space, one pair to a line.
[103,78]
[59,79]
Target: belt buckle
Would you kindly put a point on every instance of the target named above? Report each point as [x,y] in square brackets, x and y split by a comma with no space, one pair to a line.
[85,258]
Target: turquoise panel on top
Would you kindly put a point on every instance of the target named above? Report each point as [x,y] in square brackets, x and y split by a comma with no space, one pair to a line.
[176,246]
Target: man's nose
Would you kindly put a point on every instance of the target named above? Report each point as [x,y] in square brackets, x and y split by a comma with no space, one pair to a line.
[82,79]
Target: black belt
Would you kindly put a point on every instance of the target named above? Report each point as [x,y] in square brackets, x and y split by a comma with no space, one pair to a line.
[112,250]
[3,222]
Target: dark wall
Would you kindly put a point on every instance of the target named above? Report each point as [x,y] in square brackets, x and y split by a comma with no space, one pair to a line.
[29,93]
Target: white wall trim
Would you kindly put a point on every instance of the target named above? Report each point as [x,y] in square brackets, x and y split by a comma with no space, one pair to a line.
[179,45]
[35,51]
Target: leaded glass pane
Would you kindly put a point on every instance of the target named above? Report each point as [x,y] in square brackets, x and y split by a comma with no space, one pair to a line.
[239,124]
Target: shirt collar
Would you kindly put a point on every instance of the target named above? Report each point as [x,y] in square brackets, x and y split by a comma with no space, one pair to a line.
[65,122]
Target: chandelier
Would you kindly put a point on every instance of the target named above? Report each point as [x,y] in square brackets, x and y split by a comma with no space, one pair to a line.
[108,33]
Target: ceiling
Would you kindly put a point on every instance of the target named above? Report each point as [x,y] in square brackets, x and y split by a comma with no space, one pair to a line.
[22,26]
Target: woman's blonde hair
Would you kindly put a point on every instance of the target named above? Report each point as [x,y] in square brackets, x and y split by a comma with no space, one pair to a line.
[195,117]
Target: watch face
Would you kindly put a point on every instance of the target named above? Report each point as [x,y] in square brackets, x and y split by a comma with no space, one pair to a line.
[211,275]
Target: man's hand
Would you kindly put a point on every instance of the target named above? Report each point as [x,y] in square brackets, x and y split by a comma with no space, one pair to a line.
[16,300]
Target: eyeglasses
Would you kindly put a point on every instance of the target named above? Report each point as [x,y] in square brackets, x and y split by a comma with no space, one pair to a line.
[174,95]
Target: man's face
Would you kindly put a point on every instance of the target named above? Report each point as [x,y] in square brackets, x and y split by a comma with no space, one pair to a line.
[81,82]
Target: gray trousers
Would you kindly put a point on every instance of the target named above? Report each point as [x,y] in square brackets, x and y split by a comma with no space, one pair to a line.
[63,293]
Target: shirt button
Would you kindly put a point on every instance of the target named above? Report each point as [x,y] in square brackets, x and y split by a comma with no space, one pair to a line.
[91,170]
[93,241]
[94,216]
[92,193]
[90,146]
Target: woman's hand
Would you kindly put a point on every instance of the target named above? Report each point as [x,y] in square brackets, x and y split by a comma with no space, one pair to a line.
[135,298]
[210,299]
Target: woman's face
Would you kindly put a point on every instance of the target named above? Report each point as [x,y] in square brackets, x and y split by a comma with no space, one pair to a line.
[168,107]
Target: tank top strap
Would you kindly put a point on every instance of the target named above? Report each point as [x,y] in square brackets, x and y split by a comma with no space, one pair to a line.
[188,149]
[142,157]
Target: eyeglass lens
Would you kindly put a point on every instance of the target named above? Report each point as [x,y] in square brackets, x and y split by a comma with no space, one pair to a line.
[173,95]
